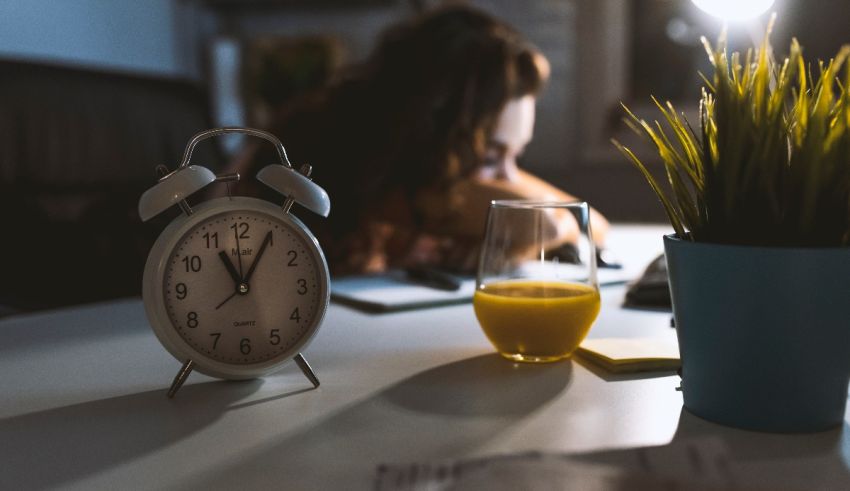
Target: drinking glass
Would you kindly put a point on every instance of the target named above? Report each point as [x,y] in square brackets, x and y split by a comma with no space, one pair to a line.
[536,293]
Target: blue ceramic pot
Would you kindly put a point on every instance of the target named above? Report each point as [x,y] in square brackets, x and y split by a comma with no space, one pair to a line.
[764,333]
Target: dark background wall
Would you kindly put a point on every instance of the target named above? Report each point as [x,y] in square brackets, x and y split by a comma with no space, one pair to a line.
[601,51]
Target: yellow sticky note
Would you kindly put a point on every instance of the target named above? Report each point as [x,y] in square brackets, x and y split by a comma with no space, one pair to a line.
[631,354]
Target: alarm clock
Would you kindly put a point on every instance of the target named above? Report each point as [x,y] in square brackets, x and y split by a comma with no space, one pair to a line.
[236,286]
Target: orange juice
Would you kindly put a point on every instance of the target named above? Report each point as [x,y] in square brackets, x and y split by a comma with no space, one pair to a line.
[536,320]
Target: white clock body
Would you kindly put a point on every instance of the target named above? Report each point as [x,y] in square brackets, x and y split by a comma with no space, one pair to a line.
[245,319]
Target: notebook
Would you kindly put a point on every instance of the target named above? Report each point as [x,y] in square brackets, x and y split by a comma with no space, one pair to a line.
[393,291]
[621,355]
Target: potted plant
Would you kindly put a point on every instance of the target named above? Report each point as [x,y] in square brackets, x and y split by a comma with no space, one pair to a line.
[759,265]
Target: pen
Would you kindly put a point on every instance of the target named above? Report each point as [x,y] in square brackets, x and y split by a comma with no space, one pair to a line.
[432,278]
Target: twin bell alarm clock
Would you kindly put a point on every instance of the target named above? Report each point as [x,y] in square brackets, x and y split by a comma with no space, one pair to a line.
[236,286]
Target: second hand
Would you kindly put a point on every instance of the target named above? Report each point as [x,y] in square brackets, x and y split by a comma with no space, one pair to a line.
[238,250]
[226,300]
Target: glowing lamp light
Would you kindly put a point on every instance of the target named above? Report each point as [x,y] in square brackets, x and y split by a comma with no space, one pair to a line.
[734,10]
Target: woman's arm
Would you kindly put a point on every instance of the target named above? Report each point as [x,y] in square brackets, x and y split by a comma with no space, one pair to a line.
[535,186]
[462,210]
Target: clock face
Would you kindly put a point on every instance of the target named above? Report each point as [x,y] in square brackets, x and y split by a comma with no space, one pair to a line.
[244,287]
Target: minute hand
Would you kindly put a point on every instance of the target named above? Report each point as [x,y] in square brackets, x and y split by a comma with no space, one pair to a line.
[266,241]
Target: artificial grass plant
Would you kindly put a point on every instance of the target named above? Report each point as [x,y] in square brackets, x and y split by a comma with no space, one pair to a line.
[770,164]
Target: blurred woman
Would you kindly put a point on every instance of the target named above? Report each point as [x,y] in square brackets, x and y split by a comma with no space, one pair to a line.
[413,143]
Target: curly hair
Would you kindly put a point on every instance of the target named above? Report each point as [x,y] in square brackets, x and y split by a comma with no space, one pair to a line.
[416,114]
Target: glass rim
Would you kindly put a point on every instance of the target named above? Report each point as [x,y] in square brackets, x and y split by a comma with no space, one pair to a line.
[535,204]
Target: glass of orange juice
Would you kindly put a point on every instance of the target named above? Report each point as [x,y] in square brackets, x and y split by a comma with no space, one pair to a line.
[536,293]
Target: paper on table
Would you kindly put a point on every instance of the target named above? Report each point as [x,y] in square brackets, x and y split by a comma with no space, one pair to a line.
[631,354]
[392,291]
[687,465]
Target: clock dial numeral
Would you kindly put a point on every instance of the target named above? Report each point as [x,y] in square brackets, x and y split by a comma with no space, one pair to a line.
[192,264]
[212,239]
[249,316]
[241,230]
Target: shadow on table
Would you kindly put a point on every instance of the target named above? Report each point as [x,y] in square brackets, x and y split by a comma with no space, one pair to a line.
[801,460]
[739,459]
[448,410]
[757,445]
[47,449]
[485,385]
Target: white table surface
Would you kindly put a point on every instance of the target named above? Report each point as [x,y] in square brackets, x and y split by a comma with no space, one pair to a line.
[83,403]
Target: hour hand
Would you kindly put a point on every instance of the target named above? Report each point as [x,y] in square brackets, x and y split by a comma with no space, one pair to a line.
[230,268]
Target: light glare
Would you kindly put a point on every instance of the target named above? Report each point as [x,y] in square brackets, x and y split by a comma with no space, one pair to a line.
[734,10]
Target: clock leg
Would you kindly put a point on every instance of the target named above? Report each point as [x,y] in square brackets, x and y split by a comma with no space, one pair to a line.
[305,368]
[181,377]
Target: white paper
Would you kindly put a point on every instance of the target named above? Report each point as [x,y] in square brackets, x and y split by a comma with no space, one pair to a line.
[690,465]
